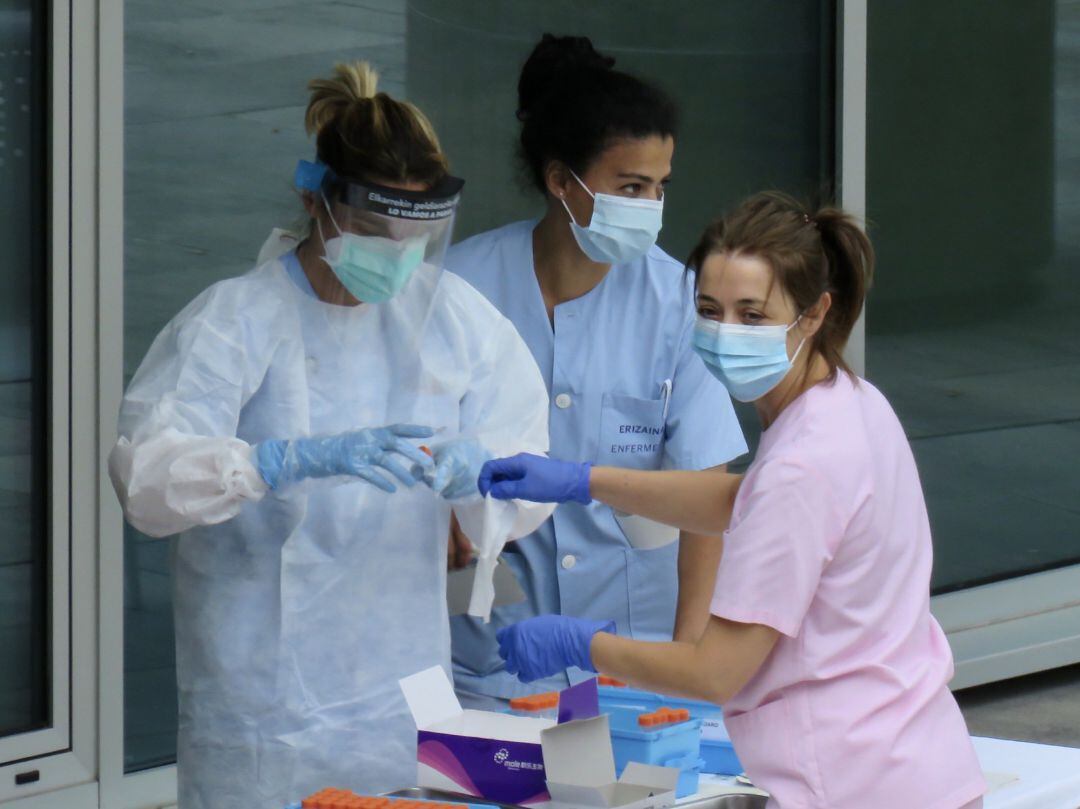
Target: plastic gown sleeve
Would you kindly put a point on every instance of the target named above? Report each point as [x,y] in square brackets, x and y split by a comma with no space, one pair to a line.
[177,463]
[172,482]
[506,410]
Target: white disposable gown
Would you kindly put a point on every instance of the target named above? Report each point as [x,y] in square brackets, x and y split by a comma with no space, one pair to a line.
[297,610]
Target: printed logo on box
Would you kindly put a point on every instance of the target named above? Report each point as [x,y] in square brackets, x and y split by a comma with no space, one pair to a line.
[503,757]
[712,729]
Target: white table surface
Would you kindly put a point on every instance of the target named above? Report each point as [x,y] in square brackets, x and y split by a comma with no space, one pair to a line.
[1020,775]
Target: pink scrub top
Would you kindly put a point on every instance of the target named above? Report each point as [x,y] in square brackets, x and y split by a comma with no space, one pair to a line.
[829,545]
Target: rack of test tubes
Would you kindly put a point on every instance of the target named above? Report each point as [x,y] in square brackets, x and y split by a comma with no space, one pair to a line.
[716,749]
[663,716]
[333,798]
[540,706]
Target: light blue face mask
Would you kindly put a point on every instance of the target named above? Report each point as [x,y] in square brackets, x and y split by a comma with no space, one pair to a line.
[373,268]
[749,360]
[621,229]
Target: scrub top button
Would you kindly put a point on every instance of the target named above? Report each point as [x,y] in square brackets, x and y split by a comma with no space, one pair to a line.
[562,401]
[569,561]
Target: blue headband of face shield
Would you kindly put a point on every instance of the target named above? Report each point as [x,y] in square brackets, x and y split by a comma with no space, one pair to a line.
[438,202]
[309,176]
[381,234]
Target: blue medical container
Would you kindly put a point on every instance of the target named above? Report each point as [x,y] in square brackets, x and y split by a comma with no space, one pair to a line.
[688,779]
[676,745]
[716,750]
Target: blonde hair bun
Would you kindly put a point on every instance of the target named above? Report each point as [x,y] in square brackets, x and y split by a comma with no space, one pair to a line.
[352,82]
[361,133]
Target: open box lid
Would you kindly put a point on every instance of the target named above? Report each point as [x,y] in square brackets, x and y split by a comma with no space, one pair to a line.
[435,707]
[579,764]
[430,696]
[579,753]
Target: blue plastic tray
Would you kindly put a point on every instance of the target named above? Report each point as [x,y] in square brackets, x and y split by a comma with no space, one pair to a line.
[719,757]
[688,779]
[718,754]
[649,701]
[675,745]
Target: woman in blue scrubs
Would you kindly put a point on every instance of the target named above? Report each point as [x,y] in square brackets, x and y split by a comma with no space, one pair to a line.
[609,318]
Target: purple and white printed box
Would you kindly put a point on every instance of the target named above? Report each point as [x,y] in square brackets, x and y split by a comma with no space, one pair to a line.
[490,755]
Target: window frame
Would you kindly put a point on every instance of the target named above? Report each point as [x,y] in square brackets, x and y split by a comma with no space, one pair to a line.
[64,754]
[157,786]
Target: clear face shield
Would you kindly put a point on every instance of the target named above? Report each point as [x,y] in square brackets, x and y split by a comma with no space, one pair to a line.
[378,237]
[390,355]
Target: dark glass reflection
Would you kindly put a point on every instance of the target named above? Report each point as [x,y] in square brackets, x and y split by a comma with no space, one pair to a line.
[24,591]
[974,199]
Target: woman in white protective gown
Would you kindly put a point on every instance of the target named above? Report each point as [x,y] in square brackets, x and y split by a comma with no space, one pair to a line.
[274,430]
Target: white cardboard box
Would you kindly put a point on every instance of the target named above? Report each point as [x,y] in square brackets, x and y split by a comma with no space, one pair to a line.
[490,755]
[580,767]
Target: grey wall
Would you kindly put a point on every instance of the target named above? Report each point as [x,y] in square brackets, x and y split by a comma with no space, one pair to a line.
[748,76]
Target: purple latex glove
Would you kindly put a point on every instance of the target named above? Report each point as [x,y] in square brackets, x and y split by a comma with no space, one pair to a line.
[548,644]
[536,478]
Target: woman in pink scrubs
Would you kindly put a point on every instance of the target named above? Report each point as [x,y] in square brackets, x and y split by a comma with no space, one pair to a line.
[832,672]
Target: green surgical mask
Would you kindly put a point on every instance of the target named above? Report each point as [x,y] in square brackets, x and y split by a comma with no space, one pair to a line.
[373,268]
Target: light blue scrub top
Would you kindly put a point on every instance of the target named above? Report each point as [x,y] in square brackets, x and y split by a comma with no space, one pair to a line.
[297,274]
[609,363]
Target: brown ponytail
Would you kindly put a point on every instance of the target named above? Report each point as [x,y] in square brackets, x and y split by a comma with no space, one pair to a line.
[849,265]
[810,253]
[368,136]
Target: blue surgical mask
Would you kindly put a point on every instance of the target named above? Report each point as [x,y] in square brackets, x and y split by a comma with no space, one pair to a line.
[373,268]
[749,360]
[621,228]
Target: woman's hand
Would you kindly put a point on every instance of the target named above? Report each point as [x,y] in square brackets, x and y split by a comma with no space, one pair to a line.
[361,453]
[548,644]
[457,467]
[536,478]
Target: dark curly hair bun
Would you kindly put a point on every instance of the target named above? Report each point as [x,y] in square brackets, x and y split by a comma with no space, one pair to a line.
[572,103]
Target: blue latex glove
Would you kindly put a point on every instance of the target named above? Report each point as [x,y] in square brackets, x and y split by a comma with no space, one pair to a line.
[357,452]
[536,478]
[548,644]
[457,467]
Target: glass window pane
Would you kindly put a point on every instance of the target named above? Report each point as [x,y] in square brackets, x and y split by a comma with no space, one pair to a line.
[24,583]
[215,94]
[974,199]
